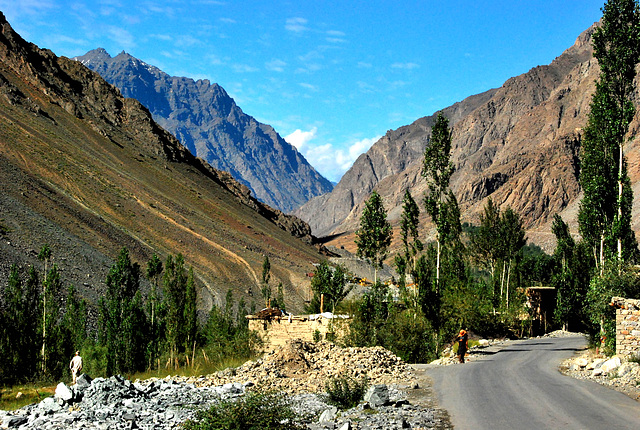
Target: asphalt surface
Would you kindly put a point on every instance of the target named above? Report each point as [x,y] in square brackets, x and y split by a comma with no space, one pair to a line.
[519,386]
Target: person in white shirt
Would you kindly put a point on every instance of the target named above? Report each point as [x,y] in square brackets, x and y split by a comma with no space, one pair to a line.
[75,366]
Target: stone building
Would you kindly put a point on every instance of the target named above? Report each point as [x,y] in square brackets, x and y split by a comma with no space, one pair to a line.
[627,327]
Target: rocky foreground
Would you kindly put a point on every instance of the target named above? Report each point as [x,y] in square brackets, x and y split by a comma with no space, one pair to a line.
[299,369]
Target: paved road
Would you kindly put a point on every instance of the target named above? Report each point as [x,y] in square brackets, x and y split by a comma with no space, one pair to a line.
[518,386]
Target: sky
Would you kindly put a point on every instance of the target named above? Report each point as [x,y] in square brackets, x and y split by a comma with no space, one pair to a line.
[331,77]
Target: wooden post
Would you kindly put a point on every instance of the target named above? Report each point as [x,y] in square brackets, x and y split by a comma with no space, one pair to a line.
[321,302]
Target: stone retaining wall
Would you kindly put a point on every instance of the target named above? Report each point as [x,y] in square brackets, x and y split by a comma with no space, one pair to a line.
[627,327]
[279,330]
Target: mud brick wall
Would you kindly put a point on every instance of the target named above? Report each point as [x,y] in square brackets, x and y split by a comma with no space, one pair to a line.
[278,331]
[627,327]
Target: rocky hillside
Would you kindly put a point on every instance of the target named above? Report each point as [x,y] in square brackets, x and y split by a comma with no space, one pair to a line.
[208,122]
[517,144]
[88,172]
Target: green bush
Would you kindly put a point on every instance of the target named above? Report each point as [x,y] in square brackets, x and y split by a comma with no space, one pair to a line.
[253,411]
[345,392]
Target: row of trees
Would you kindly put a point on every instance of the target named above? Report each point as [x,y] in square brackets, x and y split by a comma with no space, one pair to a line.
[477,279]
[39,331]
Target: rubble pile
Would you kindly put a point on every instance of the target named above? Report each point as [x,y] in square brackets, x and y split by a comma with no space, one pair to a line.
[299,369]
[117,403]
[303,366]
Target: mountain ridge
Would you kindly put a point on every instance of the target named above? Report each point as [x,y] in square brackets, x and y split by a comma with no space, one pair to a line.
[517,144]
[87,172]
[212,126]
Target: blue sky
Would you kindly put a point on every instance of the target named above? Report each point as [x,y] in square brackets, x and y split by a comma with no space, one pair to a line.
[330,76]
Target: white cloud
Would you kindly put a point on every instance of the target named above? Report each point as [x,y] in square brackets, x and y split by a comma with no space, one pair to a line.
[276,65]
[309,86]
[244,68]
[300,138]
[297,24]
[121,37]
[405,66]
[330,161]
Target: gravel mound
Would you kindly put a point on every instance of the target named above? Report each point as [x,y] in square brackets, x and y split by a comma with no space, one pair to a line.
[299,369]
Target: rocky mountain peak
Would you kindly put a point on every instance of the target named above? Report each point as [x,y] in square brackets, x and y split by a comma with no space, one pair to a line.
[213,127]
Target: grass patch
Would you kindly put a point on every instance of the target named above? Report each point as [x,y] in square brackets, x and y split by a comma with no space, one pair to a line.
[345,392]
[200,366]
[254,411]
[31,393]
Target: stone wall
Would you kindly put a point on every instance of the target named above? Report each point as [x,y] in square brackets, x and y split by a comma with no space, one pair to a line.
[278,330]
[627,327]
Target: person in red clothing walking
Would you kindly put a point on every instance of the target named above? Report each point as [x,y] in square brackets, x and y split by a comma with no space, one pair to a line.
[463,344]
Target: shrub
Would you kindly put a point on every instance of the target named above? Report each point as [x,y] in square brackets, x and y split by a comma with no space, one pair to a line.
[253,411]
[345,392]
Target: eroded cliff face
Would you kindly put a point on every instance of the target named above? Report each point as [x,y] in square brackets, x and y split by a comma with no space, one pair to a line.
[518,144]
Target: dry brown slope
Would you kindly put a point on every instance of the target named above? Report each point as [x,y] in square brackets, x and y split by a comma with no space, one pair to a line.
[88,172]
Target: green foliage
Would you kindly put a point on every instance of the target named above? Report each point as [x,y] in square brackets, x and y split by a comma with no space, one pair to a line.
[605,210]
[496,245]
[409,232]
[20,328]
[175,290]
[190,312]
[374,235]
[345,392]
[253,411]
[409,335]
[226,336]
[266,276]
[122,318]
[330,281]
[602,288]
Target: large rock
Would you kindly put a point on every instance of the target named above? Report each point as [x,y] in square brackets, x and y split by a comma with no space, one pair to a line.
[377,395]
[611,364]
[63,392]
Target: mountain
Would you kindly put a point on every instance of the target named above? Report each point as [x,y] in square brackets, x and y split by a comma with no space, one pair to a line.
[208,122]
[517,144]
[88,172]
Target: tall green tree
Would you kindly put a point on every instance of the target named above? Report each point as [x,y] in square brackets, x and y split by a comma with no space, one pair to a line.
[570,278]
[373,238]
[330,283]
[411,244]
[154,304]
[440,202]
[20,331]
[174,289]
[266,276]
[190,311]
[605,210]
[122,328]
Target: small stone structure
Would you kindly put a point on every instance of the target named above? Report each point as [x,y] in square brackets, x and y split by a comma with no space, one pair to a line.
[627,327]
[277,331]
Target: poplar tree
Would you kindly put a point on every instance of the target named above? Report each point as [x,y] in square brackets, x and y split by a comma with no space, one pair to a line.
[122,317]
[174,289]
[190,311]
[440,202]
[411,244]
[605,210]
[374,235]
[266,276]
